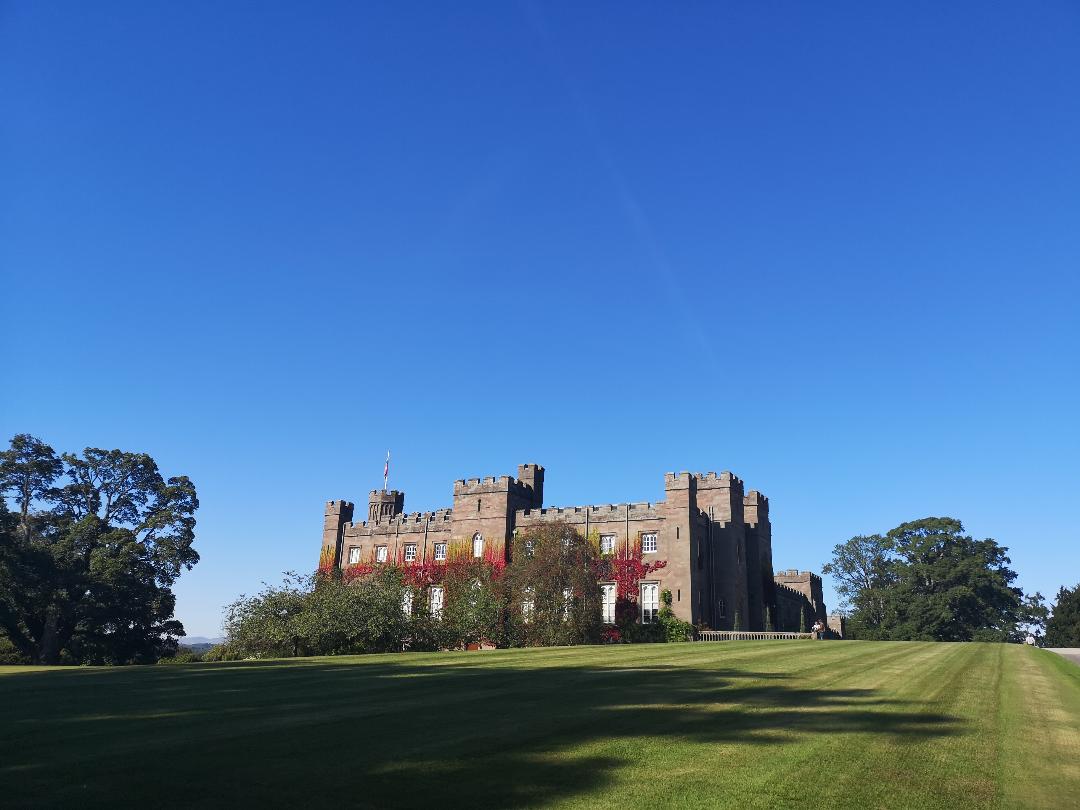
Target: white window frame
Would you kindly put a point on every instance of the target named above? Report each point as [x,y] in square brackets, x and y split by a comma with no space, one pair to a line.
[354,555]
[410,552]
[607,544]
[435,601]
[530,547]
[440,552]
[607,606]
[478,545]
[528,606]
[407,601]
[382,553]
[650,539]
[650,602]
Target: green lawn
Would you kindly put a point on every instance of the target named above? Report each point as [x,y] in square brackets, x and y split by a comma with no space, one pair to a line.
[737,724]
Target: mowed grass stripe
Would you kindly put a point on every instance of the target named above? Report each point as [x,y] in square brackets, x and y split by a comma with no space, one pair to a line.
[757,724]
[1040,712]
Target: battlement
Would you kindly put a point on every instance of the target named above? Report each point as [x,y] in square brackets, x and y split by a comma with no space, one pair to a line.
[482,486]
[755,508]
[795,575]
[789,590]
[711,480]
[385,496]
[679,480]
[434,521]
[644,510]
[492,485]
[337,507]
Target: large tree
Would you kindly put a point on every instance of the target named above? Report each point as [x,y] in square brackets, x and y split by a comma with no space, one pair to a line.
[862,573]
[926,579]
[551,585]
[88,560]
[1063,628]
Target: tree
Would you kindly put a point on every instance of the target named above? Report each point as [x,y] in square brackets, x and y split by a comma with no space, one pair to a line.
[551,585]
[87,575]
[1032,618]
[949,585]
[862,571]
[1063,628]
[320,615]
[927,580]
[475,603]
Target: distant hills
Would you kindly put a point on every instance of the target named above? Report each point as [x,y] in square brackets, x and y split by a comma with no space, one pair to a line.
[199,641]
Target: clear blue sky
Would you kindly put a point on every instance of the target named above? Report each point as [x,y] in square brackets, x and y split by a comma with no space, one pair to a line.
[831,247]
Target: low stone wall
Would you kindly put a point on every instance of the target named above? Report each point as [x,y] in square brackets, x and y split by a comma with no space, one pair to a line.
[733,635]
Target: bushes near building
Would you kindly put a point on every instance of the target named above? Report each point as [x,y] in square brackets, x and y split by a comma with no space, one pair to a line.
[548,594]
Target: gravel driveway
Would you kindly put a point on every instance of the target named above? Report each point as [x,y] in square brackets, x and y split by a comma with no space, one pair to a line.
[1072,653]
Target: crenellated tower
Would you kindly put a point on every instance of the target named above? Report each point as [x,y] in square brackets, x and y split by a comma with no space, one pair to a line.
[383,505]
[759,574]
[720,497]
[336,515]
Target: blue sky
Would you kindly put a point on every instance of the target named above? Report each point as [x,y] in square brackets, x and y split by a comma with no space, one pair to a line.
[830,247]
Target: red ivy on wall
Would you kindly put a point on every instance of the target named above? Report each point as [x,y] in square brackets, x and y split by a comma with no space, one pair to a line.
[626,568]
[424,573]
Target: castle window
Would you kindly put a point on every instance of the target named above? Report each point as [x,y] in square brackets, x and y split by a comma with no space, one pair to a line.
[406,602]
[354,555]
[478,545]
[650,602]
[440,552]
[410,552]
[607,544]
[648,543]
[380,553]
[527,606]
[607,603]
[436,601]
[721,609]
[529,547]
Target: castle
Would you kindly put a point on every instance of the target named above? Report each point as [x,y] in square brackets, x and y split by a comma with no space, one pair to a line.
[715,539]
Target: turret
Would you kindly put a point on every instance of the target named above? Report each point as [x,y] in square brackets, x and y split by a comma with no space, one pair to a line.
[532,476]
[384,504]
[337,514]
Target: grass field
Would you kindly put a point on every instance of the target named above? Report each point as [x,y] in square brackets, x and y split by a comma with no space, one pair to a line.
[738,724]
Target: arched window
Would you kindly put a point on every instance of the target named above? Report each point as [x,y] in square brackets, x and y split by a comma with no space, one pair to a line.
[478,545]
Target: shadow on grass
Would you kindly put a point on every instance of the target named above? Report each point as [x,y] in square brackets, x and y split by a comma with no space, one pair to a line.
[483,732]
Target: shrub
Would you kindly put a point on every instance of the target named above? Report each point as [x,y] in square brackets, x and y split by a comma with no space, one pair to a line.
[674,628]
[185,655]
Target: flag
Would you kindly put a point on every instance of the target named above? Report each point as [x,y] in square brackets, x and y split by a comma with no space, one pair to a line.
[386,470]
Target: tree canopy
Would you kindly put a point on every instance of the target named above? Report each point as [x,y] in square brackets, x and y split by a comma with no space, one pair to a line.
[1063,628]
[928,580]
[88,559]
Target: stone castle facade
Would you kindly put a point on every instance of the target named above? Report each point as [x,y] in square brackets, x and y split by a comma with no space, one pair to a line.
[714,537]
